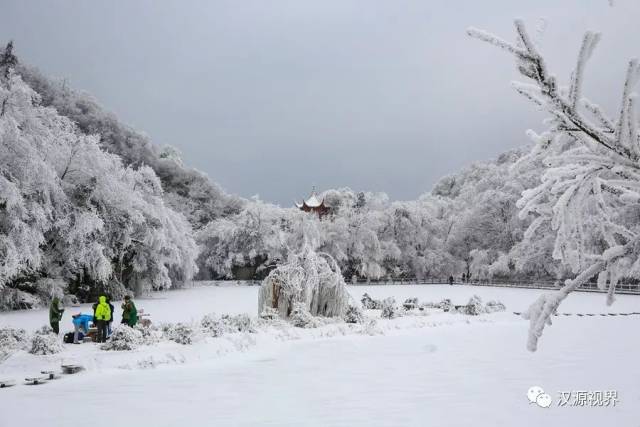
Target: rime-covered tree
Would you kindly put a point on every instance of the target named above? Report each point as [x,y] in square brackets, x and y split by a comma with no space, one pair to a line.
[590,191]
[187,190]
[71,211]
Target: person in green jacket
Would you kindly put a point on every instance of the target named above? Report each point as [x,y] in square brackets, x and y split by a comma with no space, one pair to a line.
[129,312]
[55,314]
[103,316]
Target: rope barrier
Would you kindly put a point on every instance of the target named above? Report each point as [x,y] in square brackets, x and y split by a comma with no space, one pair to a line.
[634,313]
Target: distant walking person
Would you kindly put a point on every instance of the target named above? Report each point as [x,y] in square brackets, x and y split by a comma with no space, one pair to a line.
[103,316]
[450,280]
[55,314]
[129,312]
[464,277]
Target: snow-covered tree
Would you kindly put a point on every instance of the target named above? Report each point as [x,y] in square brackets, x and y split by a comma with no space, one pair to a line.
[186,190]
[260,236]
[309,282]
[590,190]
[72,211]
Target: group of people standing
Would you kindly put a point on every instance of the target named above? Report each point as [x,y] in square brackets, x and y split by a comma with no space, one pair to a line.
[102,318]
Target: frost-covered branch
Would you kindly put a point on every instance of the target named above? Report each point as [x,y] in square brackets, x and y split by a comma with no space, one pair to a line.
[590,191]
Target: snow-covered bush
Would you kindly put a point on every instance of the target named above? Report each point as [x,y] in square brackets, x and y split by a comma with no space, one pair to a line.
[445,305]
[15,299]
[150,334]
[45,344]
[429,304]
[212,325]
[354,314]
[390,309]
[12,340]
[494,306]
[301,318]
[44,330]
[123,338]
[310,278]
[238,323]
[269,313]
[474,307]
[410,303]
[181,333]
[10,337]
[369,303]
[216,326]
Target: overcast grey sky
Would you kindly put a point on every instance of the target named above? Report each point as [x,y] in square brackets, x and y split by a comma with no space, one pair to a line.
[272,97]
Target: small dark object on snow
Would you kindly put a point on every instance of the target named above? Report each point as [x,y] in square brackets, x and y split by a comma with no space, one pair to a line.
[36,380]
[71,369]
[51,375]
[7,383]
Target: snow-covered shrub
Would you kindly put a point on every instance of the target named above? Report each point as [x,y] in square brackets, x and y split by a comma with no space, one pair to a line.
[238,323]
[429,304]
[410,303]
[354,314]
[181,333]
[45,344]
[150,334]
[474,307]
[212,325]
[15,299]
[44,330]
[269,313]
[493,306]
[445,305]
[389,308]
[301,318]
[123,338]
[215,326]
[11,340]
[10,337]
[369,303]
[313,279]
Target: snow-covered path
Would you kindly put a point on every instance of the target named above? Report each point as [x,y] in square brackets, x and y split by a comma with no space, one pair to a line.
[454,374]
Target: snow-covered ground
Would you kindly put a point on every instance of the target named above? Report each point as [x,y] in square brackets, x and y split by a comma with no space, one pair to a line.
[438,369]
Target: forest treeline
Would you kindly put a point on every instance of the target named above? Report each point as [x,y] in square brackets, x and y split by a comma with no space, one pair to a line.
[89,205]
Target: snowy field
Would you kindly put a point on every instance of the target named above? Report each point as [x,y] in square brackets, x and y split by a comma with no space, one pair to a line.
[438,369]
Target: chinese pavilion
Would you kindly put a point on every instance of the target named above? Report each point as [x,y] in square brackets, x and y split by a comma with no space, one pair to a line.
[313,204]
